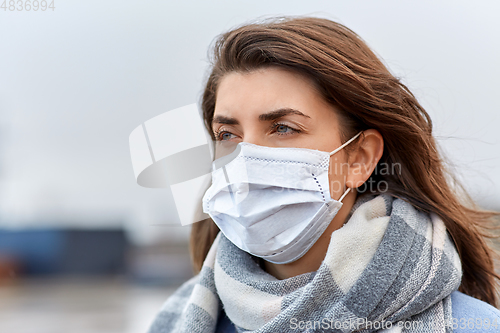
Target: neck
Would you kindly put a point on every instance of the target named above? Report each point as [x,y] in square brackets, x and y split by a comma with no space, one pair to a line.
[311,261]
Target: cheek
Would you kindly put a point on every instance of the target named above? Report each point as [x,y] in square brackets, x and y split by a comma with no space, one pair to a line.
[337,174]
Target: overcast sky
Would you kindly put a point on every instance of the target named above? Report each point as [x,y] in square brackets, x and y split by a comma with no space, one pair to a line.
[75,81]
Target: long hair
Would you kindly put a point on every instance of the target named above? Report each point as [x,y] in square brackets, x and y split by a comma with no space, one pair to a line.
[351,77]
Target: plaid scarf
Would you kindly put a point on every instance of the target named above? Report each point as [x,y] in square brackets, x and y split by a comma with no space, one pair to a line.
[389,267]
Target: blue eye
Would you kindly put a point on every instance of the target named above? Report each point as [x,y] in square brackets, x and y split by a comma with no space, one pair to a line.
[226,136]
[282,129]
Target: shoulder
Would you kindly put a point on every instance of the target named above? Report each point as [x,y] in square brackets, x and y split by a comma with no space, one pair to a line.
[171,310]
[472,315]
[224,325]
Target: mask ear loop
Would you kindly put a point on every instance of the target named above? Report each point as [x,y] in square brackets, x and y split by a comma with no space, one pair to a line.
[339,148]
[345,193]
[346,143]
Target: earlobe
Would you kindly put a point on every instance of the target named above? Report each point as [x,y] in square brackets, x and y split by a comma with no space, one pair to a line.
[365,158]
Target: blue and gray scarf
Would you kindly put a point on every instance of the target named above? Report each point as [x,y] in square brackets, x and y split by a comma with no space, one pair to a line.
[389,267]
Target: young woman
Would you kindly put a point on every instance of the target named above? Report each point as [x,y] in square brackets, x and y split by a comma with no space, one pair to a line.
[336,211]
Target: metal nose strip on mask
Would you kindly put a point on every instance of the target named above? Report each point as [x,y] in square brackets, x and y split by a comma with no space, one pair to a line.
[345,144]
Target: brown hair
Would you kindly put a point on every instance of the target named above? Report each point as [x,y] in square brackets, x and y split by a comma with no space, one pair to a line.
[350,76]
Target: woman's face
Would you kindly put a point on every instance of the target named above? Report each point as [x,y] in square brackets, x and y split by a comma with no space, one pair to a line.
[277,108]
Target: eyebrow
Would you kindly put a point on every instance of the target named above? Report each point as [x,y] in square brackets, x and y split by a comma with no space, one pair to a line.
[272,115]
[276,114]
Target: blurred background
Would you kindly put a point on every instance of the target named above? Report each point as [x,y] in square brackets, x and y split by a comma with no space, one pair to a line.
[83,248]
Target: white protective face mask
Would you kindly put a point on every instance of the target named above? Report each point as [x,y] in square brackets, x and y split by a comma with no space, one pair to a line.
[273,203]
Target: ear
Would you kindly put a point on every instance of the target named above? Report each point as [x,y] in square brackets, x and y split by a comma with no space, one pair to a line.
[364,159]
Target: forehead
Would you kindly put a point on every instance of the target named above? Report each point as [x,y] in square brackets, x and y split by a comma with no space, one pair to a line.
[267,89]
[263,88]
